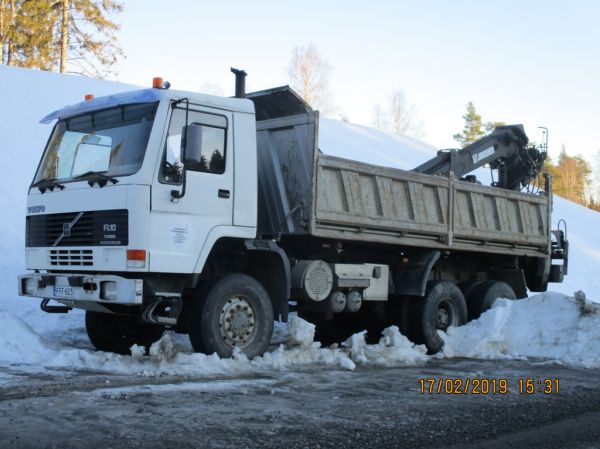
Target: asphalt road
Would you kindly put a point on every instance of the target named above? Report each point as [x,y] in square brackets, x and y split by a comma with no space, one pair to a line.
[316,408]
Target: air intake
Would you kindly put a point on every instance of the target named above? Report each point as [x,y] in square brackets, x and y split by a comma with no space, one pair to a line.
[312,279]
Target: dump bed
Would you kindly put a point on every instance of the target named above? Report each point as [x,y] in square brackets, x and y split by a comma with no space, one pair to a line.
[302,191]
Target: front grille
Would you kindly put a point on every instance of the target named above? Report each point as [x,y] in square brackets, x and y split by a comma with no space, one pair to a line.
[92,228]
[71,257]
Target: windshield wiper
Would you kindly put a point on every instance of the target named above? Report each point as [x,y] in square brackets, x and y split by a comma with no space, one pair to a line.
[97,177]
[47,184]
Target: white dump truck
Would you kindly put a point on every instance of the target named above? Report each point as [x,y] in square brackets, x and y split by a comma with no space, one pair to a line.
[213,216]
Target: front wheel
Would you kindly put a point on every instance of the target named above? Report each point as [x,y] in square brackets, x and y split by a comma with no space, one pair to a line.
[117,333]
[235,313]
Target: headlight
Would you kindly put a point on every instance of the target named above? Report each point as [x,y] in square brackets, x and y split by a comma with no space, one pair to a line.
[108,290]
[28,286]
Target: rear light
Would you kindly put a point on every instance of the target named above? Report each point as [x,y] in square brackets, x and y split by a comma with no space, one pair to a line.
[89,97]
[136,258]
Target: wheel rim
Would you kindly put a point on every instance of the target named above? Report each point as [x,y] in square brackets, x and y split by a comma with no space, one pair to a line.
[237,322]
[446,315]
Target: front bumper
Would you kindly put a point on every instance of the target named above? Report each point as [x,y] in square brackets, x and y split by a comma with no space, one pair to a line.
[72,289]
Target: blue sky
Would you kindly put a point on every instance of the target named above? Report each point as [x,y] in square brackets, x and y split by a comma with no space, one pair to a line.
[530,62]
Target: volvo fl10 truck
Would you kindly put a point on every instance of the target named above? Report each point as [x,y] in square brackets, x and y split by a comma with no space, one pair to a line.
[161,209]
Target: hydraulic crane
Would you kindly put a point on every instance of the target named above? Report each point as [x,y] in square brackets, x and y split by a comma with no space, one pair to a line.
[505,149]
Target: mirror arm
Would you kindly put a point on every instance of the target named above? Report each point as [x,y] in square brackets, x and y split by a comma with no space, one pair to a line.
[176,194]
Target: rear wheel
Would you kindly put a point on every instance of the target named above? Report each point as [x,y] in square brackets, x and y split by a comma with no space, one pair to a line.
[485,294]
[443,306]
[117,333]
[235,313]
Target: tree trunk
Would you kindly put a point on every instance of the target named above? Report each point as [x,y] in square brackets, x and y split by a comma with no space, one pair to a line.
[9,47]
[3,32]
[64,36]
[6,22]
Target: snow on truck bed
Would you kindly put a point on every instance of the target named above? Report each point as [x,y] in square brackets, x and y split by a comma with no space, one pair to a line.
[551,326]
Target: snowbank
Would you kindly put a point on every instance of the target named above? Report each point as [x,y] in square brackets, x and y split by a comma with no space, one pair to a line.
[22,348]
[551,326]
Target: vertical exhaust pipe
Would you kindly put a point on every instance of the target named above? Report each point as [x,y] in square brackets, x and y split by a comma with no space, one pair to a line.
[240,82]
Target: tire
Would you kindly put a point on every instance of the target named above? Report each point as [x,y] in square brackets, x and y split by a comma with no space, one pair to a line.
[235,311]
[118,333]
[442,306]
[485,294]
[468,287]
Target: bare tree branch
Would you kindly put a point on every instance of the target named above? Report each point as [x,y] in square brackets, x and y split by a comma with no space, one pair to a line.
[309,76]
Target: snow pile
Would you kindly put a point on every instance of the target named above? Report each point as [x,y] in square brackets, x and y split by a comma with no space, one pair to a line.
[391,349]
[550,326]
[301,332]
[172,354]
[19,343]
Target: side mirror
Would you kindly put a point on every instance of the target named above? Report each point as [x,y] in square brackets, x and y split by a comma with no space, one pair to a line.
[191,145]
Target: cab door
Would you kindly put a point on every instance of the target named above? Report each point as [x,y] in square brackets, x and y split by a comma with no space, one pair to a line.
[180,226]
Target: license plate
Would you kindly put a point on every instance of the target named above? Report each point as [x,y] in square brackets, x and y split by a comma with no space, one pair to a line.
[64,292]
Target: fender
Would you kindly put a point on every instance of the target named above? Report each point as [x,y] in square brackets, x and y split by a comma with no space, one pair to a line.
[276,273]
[412,279]
[218,232]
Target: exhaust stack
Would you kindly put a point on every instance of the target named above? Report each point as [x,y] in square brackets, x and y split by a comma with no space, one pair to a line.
[240,82]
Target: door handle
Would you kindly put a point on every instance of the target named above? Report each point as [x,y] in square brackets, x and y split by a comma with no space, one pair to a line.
[223,193]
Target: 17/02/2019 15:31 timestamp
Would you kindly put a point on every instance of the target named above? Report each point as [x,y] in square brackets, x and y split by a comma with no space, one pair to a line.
[482,385]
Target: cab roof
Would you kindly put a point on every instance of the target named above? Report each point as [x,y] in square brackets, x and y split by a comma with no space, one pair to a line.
[149,96]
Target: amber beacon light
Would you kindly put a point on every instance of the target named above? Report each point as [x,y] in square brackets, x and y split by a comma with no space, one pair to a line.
[157,82]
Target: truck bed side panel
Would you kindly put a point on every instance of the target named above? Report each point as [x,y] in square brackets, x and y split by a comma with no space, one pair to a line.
[369,203]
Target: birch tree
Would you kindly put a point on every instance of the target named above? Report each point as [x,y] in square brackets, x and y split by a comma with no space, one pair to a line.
[399,117]
[309,76]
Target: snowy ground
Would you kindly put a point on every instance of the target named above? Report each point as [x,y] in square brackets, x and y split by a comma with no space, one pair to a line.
[550,326]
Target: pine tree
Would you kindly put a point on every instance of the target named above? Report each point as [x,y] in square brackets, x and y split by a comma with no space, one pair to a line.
[570,177]
[87,35]
[65,35]
[217,162]
[30,43]
[473,129]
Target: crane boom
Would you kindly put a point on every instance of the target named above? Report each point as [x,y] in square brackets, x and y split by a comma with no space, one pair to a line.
[505,149]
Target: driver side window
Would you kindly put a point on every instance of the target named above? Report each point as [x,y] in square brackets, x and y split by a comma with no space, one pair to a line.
[214,131]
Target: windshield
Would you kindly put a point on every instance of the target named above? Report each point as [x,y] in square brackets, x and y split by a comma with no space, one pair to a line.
[111,141]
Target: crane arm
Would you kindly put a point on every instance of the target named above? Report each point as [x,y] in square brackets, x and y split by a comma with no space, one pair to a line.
[505,149]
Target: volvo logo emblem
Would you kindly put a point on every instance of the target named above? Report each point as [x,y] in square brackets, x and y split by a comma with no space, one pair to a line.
[66,227]
[36,209]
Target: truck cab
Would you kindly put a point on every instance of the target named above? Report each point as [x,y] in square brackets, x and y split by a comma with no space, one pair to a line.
[118,222]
